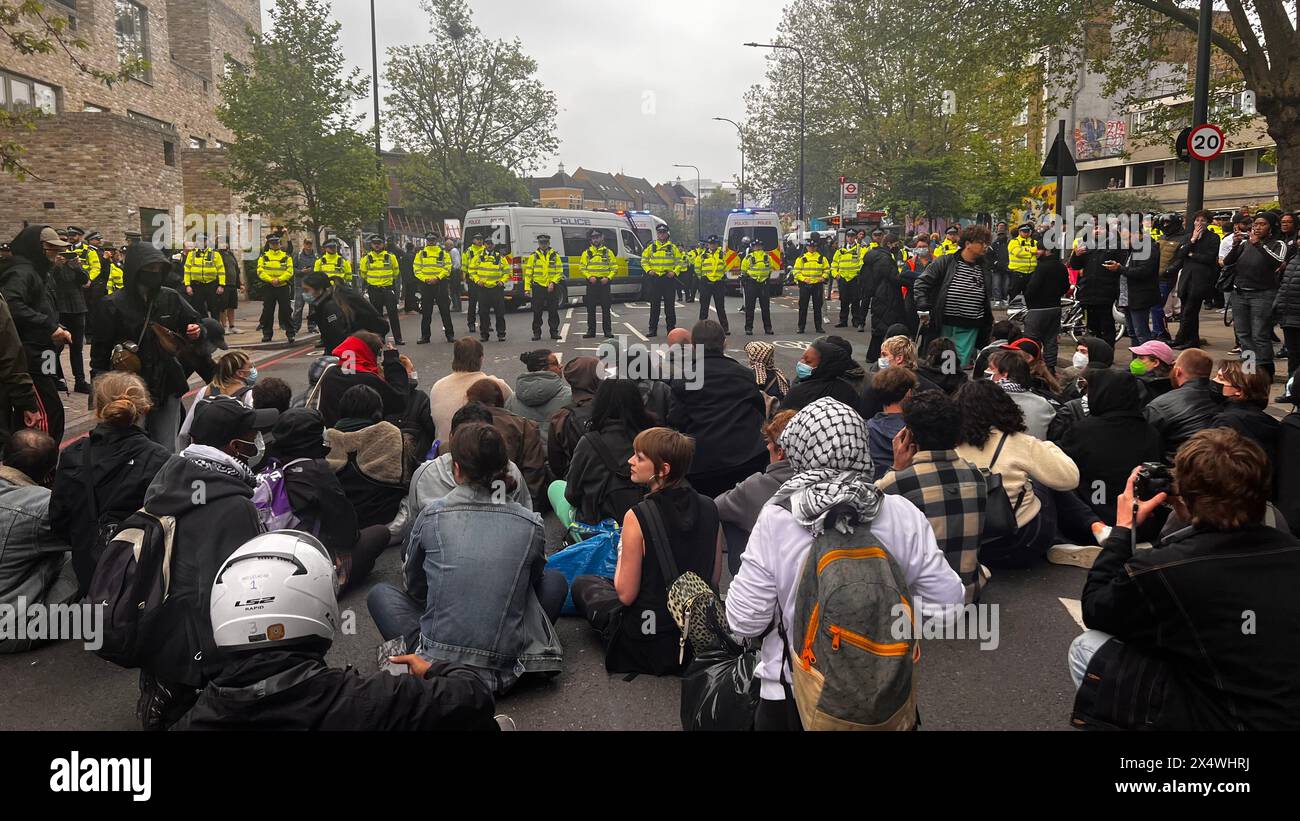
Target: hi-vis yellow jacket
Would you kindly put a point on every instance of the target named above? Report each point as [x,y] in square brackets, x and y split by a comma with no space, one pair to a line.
[432,264]
[663,258]
[1022,255]
[204,266]
[600,263]
[811,268]
[335,266]
[543,268]
[490,269]
[848,262]
[379,269]
[712,265]
[275,268]
[89,260]
[758,265]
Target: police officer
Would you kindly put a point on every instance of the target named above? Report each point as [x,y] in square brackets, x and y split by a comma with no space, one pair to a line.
[334,265]
[380,270]
[478,245]
[597,265]
[756,270]
[543,280]
[432,269]
[712,268]
[811,272]
[690,280]
[949,244]
[490,270]
[205,280]
[846,266]
[275,269]
[662,261]
[1023,251]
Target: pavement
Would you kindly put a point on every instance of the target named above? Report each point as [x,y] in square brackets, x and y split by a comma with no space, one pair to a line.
[1020,684]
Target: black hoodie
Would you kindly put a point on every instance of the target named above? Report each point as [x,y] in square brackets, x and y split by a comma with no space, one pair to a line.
[25,285]
[122,318]
[207,532]
[831,378]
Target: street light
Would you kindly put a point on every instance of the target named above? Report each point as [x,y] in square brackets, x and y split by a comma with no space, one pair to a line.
[699,219]
[741,132]
[803,72]
[379,157]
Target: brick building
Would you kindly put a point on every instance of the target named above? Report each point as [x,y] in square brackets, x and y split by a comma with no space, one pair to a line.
[112,159]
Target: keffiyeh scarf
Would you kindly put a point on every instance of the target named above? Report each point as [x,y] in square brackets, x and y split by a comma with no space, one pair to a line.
[826,443]
[210,458]
[1011,387]
[762,358]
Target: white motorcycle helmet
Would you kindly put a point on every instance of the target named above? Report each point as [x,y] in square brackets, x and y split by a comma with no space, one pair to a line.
[277,589]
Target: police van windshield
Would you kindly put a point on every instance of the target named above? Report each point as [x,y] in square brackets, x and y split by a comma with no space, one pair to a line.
[766,237]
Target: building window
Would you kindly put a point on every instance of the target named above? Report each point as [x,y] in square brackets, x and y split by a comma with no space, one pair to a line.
[91,108]
[1142,122]
[1149,173]
[133,34]
[21,94]
[1226,166]
[197,142]
[145,119]
[169,152]
[222,144]
[1182,171]
[1263,166]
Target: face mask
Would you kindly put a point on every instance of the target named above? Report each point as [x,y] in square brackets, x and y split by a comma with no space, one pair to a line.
[309,299]
[1216,390]
[151,280]
[1137,367]
[883,363]
[251,379]
[1080,360]
[413,377]
[993,375]
[259,446]
[803,370]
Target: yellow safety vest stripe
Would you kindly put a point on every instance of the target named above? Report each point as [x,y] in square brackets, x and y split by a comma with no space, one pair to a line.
[811,269]
[432,264]
[544,269]
[204,267]
[758,266]
[381,270]
[712,267]
[275,268]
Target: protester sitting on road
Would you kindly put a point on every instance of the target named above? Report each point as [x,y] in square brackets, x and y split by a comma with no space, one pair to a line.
[1151,364]
[371,458]
[183,657]
[285,684]
[723,411]
[739,507]
[898,351]
[1246,397]
[541,392]
[892,387]
[1165,626]
[569,423]
[102,478]
[1190,407]
[941,367]
[275,394]
[634,364]
[523,438]
[1042,381]
[1090,354]
[448,394]
[339,311]
[822,373]
[1009,369]
[19,405]
[235,377]
[826,443]
[359,365]
[1004,333]
[477,588]
[317,497]
[435,479]
[994,437]
[770,379]
[688,521]
[35,565]
[599,484]
[1106,445]
[949,490]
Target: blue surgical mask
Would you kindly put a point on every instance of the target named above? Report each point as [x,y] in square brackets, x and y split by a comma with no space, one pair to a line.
[883,363]
[251,379]
[309,299]
[803,370]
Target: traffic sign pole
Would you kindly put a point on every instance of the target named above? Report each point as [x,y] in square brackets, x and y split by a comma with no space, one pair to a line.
[1200,110]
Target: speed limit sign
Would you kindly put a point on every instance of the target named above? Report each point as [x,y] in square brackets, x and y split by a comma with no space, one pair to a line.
[1205,142]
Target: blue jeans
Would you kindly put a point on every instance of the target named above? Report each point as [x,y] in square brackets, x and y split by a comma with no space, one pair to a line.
[1158,312]
[1001,281]
[1252,319]
[1082,649]
[1139,325]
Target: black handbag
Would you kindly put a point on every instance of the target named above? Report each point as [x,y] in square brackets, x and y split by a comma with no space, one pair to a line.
[999,513]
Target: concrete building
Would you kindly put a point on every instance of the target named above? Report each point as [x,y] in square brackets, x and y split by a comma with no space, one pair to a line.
[113,159]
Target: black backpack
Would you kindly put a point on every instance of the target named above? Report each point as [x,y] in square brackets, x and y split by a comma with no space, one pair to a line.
[621,494]
[131,583]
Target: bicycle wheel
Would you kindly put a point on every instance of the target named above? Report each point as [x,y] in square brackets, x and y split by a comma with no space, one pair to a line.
[1227,316]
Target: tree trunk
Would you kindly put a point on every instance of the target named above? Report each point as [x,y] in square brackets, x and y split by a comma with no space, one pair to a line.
[1285,131]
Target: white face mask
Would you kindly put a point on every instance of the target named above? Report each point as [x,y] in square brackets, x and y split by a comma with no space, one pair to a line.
[1080,360]
[883,362]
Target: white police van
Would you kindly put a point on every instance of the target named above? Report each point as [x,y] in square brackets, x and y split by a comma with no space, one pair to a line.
[517,227]
[761,226]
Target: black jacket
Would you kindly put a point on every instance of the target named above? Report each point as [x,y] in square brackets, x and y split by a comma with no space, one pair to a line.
[1182,604]
[25,285]
[317,498]
[16,391]
[1097,286]
[590,481]
[1045,286]
[122,318]
[333,321]
[725,415]
[1183,412]
[1198,264]
[68,280]
[1286,476]
[827,380]
[887,307]
[117,465]
[394,388]
[1252,422]
[869,403]
[295,690]
[1111,440]
[949,383]
[1143,279]
[931,292]
[206,535]
[1286,308]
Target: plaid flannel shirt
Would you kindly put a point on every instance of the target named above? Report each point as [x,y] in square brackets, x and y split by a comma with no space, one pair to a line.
[950,491]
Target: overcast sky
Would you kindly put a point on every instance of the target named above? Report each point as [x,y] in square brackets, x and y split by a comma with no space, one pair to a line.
[681,59]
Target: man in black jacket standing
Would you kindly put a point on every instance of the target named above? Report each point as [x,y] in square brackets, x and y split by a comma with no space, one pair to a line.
[1043,290]
[1199,632]
[1098,286]
[25,285]
[1197,265]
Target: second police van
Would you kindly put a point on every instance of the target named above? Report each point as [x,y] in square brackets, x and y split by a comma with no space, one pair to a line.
[761,226]
[517,228]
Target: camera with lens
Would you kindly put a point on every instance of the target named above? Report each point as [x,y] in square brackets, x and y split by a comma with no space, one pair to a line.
[1153,478]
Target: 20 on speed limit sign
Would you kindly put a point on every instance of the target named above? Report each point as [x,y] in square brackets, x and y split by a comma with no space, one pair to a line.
[1205,142]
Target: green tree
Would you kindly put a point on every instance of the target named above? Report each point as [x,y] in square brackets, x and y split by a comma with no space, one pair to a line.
[31,28]
[471,111]
[1117,202]
[297,153]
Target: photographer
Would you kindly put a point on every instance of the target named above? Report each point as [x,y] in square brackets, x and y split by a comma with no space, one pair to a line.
[1199,633]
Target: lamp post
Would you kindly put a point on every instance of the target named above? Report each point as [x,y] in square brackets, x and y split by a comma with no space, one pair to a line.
[803,78]
[699,219]
[374,80]
[1200,109]
[741,132]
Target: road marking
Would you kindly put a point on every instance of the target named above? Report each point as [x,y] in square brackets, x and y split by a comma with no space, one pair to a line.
[569,315]
[644,338]
[564,332]
[1075,608]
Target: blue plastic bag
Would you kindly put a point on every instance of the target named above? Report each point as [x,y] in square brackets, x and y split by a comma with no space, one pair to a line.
[595,555]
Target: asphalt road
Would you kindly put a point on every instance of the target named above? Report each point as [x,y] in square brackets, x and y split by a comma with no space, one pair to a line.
[1022,684]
